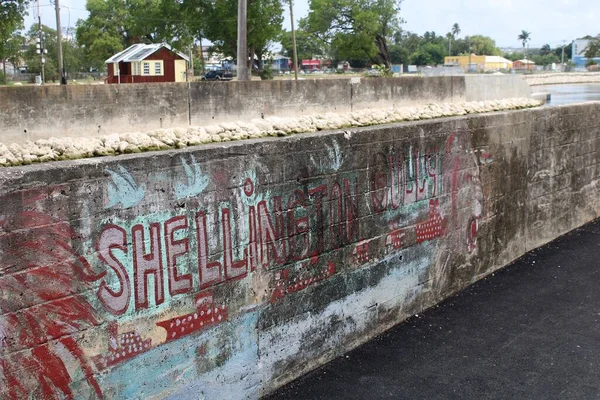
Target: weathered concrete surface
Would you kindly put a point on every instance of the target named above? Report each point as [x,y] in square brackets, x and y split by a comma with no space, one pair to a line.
[562,78]
[60,149]
[484,87]
[229,270]
[530,331]
[32,113]
[217,102]
[409,91]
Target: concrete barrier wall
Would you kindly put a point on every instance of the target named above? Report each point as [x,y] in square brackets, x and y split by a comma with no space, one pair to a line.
[32,113]
[225,271]
[485,87]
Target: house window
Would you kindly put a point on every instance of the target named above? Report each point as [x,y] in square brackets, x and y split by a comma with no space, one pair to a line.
[146,68]
[136,68]
[157,68]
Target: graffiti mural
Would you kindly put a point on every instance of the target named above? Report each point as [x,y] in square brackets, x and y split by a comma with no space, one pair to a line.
[162,260]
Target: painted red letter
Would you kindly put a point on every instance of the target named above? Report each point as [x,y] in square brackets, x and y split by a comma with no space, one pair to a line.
[176,248]
[113,237]
[147,264]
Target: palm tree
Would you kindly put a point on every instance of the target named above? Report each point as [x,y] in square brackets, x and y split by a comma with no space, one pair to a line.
[451,36]
[546,49]
[455,30]
[524,37]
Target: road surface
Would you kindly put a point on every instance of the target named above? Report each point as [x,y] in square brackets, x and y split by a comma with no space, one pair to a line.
[530,331]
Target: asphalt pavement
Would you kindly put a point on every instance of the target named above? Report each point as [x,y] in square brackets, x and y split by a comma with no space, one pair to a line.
[529,331]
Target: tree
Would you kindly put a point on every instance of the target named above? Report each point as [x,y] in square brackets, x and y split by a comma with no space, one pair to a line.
[568,49]
[546,49]
[546,59]
[399,54]
[524,37]
[483,45]
[9,50]
[356,28]
[428,54]
[449,37]
[32,58]
[308,45]
[113,25]
[593,48]
[217,22]
[455,30]
[11,17]
[514,56]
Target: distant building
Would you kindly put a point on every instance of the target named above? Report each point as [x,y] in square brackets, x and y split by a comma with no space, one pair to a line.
[309,65]
[214,60]
[511,50]
[478,63]
[578,55]
[523,65]
[281,63]
[142,63]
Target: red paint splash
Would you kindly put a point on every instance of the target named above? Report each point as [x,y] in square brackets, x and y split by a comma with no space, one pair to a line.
[41,308]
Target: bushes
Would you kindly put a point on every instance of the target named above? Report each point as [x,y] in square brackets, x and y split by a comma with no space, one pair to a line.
[266,74]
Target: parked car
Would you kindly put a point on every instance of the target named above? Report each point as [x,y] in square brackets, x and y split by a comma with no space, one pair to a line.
[217,75]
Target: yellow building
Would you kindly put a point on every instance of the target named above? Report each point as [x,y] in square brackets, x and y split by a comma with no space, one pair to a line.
[478,63]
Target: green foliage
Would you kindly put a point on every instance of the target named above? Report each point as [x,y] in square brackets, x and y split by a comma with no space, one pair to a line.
[455,30]
[546,49]
[3,80]
[428,54]
[383,70]
[32,59]
[217,22]
[73,57]
[399,54]
[514,56]
[593,48]
[568,51]
[113,25]
[483,45]
[308,45]
[355,29]
[545,59]
[11,17]
[266,74]
[10,48]
[524,37]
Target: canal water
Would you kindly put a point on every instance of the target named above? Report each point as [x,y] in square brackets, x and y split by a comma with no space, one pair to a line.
[571,93]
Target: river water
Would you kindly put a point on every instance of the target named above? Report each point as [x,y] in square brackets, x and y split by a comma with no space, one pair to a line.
[571,93]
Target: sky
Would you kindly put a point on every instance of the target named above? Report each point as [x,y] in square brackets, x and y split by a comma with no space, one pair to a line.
[549,21]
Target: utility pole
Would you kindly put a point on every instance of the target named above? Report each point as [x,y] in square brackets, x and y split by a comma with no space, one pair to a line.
[242,44]
[61,69]
[295,60]
[40,45]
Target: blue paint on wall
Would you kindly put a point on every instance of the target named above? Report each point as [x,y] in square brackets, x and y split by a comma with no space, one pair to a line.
[123,189]
[196,180]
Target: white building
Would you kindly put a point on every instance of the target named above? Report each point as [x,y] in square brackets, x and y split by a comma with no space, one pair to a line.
[578,56]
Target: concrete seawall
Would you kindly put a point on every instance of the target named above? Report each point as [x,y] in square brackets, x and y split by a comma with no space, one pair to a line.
[227,270]
[32,113]
[562,78]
